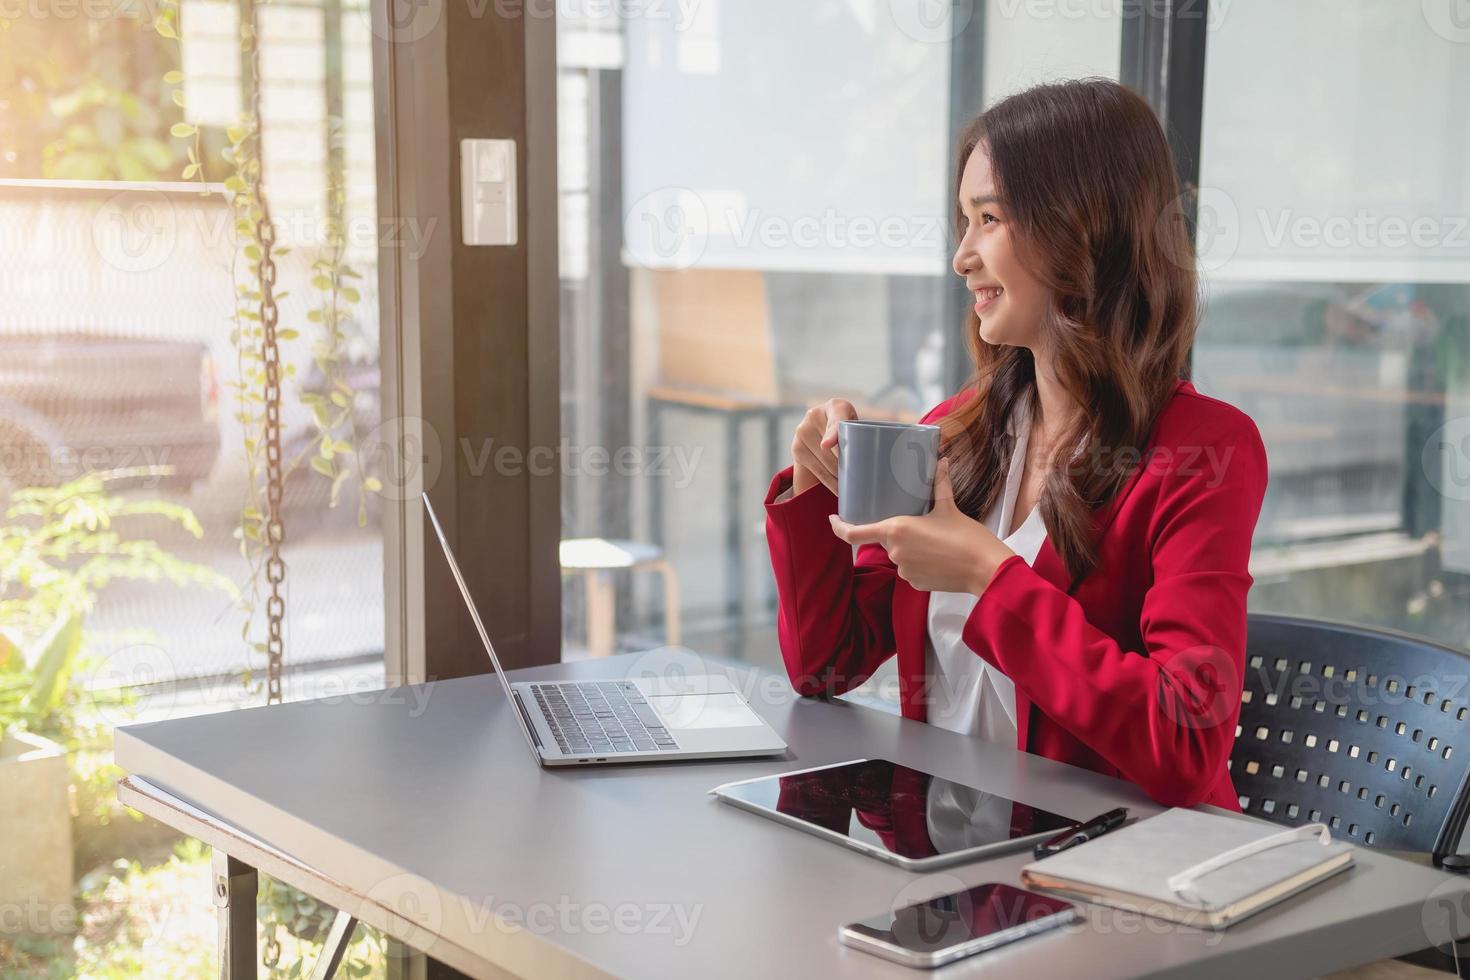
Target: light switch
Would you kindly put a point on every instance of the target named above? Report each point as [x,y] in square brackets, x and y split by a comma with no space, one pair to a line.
[487,171]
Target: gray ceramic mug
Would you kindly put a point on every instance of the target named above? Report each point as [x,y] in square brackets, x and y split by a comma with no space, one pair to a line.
[885,469]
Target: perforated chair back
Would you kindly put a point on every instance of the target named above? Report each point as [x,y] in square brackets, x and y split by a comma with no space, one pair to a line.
[1364,729]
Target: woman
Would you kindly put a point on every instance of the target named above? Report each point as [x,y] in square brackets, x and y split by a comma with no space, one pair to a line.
[1079,588]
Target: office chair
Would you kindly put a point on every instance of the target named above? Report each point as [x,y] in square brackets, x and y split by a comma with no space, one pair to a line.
[1366,730]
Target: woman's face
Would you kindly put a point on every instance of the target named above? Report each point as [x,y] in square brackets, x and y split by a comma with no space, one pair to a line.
[1009,301]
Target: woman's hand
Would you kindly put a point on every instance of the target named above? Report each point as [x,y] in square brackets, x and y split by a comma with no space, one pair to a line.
[814,447]
[943,551]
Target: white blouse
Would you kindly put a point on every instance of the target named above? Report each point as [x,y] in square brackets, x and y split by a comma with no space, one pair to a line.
[966,694]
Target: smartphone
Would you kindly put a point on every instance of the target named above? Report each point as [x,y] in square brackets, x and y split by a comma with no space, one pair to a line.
[951,927]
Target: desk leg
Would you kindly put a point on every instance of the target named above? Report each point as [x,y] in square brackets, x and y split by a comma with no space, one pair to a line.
[602,602]
[235,885]
[734,552]
[655,484]
[334,947]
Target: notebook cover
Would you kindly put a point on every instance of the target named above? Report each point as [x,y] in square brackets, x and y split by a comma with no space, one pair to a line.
[1131,866]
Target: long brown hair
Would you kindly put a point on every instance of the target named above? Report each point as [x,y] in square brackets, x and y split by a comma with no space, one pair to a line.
[1093,204]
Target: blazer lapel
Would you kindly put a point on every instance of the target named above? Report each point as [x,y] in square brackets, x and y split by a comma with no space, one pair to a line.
[1110,510]
[1049,564]
[911,607]
[1104,516]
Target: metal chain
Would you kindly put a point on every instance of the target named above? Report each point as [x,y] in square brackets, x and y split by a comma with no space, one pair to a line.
[265,234]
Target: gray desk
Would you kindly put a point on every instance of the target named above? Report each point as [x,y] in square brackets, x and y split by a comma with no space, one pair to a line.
[420,811]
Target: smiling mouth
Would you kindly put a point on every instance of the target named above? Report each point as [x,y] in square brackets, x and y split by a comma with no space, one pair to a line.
[985,298]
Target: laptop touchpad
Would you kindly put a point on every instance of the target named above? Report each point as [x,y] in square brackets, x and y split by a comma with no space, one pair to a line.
[687,711]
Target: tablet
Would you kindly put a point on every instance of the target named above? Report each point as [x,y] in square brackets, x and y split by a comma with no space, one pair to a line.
[900,815]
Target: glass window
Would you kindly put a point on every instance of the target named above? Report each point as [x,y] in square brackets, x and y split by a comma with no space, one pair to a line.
[1334,242]
[132,442]
[753,220]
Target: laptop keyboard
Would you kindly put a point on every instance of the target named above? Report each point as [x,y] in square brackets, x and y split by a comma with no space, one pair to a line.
[602,718]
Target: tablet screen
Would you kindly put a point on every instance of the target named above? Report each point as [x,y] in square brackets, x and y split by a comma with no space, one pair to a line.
[892,808]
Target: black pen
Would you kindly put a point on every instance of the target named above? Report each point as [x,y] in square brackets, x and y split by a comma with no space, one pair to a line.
[1082,833]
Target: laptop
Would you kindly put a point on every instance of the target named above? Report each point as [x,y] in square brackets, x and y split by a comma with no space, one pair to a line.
[641,719]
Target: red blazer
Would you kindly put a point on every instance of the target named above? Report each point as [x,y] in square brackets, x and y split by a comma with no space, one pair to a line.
[1136,671]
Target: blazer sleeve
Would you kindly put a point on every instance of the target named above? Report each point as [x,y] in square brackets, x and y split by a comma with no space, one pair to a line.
[834,612]
[1165,715]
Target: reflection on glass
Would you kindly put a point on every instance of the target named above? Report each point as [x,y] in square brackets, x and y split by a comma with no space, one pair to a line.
[752,221]
[984,910]
[1338,308]
[898,810]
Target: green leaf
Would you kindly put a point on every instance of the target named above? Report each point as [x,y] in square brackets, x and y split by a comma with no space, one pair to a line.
[165,29]
[53,664]
[10,657]
[191,171]
[174,77]
[182,130]
[322,466]
[155,152]
[178,96]
[287,333]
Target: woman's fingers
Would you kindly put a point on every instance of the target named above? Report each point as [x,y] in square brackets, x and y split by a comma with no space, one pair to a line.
[860,534]
[838,410]
[819,464]
[814,448]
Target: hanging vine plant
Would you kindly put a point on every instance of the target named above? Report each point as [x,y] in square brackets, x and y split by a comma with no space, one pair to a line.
[336,452]
[259,340]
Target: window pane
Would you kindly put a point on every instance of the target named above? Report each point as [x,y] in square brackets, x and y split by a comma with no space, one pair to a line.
[753,220]
[132,448]
[1028,43]
[1338,300]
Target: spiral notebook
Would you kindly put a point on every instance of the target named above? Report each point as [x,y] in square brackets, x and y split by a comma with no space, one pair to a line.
[1196,868]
